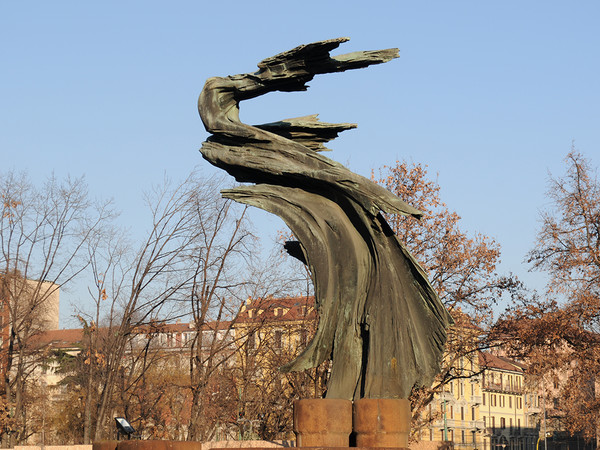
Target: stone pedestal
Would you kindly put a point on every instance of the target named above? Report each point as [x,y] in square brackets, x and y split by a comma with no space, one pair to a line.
[320,422]
[381,422]
[105,445]
[159,445]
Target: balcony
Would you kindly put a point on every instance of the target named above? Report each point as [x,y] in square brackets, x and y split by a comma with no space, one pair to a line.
[500,387]
[447,396]
[475,425]
[450,423]
[530,409]
[492,431]
[455,424]
[476,399]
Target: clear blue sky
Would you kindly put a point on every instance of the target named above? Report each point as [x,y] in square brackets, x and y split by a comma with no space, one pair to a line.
[489,95]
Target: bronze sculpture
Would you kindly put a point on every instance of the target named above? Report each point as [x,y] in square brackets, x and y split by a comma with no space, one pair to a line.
[381,322]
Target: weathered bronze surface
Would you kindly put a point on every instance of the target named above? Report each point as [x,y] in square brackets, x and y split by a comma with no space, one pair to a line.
[381,323]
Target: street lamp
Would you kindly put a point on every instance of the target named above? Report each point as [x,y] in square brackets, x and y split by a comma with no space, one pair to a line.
[545,435]
[445,421]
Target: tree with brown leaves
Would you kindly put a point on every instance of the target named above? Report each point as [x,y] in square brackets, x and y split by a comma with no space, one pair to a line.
[461,267]
[559,334]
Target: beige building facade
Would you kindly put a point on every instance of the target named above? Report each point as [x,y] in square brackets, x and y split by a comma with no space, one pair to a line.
[488,410]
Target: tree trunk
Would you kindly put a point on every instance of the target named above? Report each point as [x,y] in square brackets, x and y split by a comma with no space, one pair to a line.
[87,413]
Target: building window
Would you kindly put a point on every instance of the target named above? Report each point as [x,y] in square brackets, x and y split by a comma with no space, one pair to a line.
[472,413]
[483,398]
[277,338]
[493,424]
[462,436]
[451,412]
[303,337]
[484,422]
[510,401]
[462,414]
[502,423]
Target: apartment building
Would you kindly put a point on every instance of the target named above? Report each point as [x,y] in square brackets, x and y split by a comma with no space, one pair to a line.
[505,413]
[455,415]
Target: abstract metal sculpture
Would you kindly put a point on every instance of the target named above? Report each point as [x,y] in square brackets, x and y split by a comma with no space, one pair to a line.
[380,321]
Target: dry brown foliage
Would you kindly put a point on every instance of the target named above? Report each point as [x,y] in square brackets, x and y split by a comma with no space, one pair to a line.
[559,334]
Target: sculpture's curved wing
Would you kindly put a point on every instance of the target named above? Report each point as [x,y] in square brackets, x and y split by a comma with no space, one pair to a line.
[381,322]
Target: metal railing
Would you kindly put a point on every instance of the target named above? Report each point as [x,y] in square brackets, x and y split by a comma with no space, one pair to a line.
[501,387]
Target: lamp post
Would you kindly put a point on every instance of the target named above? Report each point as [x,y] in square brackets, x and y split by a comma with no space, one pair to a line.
[445,422]
[546,435]
[544,410]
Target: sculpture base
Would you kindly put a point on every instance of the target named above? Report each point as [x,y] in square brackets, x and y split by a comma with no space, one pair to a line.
[322,422]
[382,422]
[180,445]
[310,448]
[374,423]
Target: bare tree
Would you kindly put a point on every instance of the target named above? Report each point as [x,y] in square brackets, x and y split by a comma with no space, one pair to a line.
[148,285]
[214,300]
[197,261]
[229,271]
[43,232]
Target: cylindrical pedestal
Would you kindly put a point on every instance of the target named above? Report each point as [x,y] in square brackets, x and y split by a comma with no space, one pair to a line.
[322,422]
[105,445]
[382,422]
[159,445]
